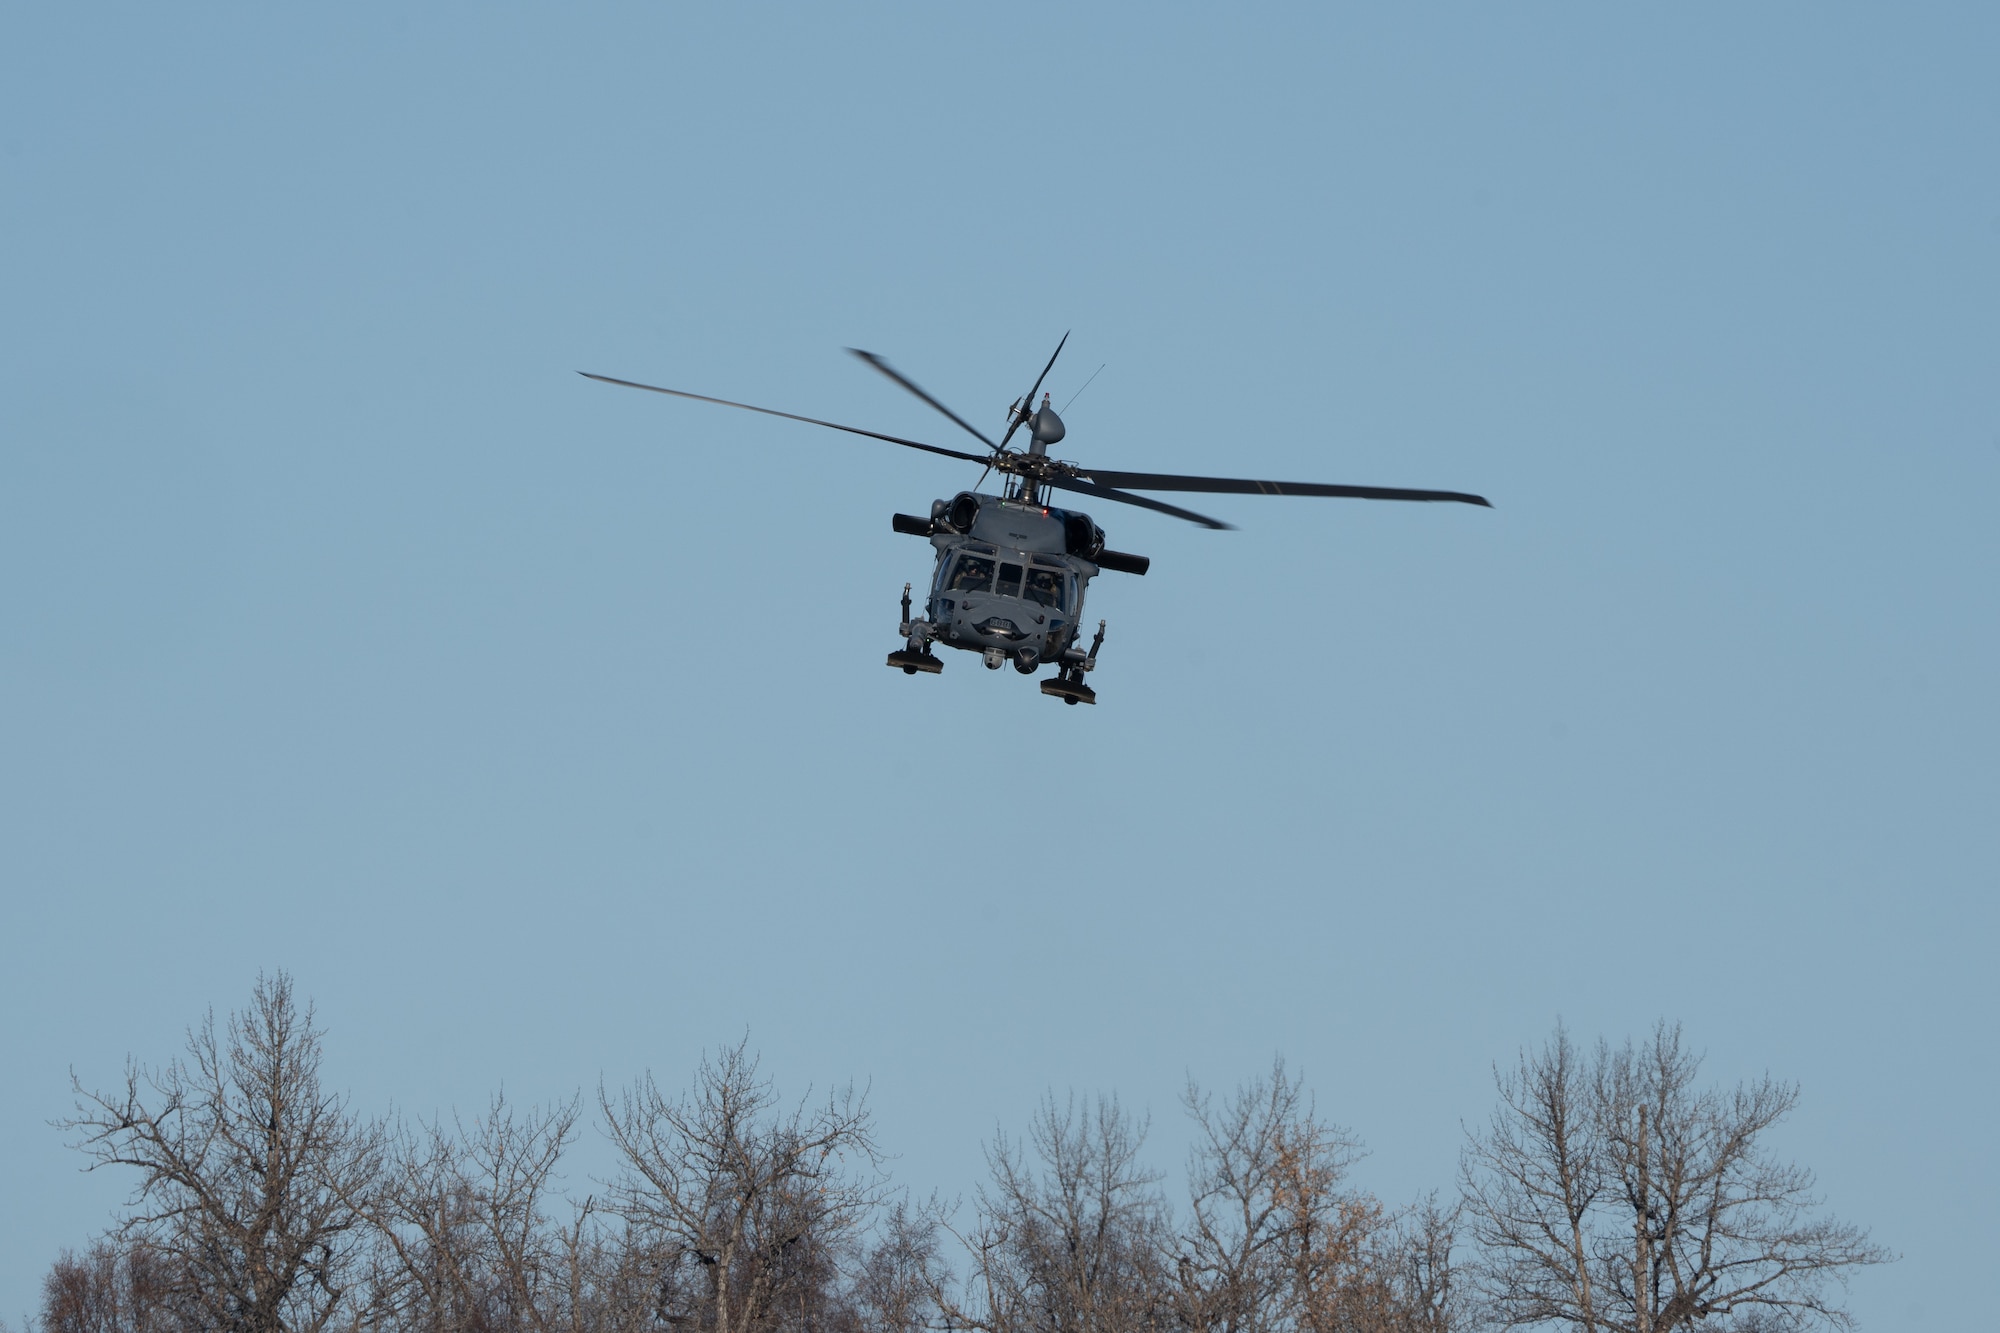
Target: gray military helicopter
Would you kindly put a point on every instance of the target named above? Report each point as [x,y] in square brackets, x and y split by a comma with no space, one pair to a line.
[1011,569]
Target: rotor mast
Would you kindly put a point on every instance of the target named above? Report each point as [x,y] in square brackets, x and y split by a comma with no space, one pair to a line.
[1031,471]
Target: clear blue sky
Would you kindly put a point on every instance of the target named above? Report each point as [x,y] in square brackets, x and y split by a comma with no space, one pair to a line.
[541,728]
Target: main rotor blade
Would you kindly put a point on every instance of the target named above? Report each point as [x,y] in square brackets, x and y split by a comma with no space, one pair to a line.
[1082,487]
[790,416]
[1028,403]
[1168,481]
[912,386]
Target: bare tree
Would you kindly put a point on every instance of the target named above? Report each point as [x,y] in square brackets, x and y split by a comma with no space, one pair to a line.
[900,1282]
[111,1288]
[1612,1193]
[1419,1257]
[1330,1237]
[744,1212]
[1072,1241]
[249,1169]
[1531,1183]
[1276,1241]
[473,1235]
[1266,1209]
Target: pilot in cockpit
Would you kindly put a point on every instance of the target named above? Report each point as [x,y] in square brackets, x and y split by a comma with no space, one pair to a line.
[1045,586]
[972,574]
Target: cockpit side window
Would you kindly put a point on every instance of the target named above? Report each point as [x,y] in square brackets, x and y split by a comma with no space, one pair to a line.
[1045,586]
[1010,580]
[972,574]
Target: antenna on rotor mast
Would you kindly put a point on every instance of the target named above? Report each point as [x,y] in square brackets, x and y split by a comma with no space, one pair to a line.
[1086,384]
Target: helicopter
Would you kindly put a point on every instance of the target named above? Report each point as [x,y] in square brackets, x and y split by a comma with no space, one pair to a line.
[1011,569]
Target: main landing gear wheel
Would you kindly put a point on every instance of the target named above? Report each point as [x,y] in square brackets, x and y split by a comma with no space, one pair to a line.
[1069,688]
[912,663]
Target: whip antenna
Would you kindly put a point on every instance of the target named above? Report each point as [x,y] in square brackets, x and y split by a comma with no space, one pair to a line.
[1086,384]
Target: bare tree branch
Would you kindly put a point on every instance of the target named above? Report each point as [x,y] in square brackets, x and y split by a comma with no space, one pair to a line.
[1614,1193]
[248,1169]
[747,1209]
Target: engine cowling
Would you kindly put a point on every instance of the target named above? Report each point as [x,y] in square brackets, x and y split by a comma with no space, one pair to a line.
[1081,537]
[963,512]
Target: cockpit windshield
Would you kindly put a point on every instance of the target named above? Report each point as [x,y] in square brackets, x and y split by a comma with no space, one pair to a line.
[972,574]
[1010,580]
[1045,586]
